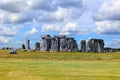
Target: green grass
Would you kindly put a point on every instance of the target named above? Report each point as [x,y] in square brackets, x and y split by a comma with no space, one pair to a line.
[58,70]
[60,55]
[59,66]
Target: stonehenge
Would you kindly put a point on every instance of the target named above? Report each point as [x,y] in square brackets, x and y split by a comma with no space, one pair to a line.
[58,43]
[62,43]
[95,45]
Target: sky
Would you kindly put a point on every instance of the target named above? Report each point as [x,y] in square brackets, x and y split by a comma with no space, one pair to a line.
[82,19]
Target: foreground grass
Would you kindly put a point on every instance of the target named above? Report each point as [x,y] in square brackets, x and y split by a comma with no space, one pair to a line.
[58,70]
[59,66]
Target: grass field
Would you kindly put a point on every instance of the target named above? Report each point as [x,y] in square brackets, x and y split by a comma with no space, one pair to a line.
[59,66]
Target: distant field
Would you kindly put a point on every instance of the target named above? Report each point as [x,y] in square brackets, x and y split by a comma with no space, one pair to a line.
[60,55]
[59,66]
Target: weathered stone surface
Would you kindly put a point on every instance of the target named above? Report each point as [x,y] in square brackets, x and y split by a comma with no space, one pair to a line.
[13,51]
[83,46]
[95,45]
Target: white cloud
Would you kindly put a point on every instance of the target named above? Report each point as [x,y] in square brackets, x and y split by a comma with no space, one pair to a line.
[12,5]
[70,3]
[19,42]
[50,27]
[47,5]
[5,39]
[114,43]
[73,28]
[29,33]
[67,13]
[20,11]
[17,6]
[110,10]
[107,18]
[33,31]
[8,32]
[70,28]
[61,14]
[108,27]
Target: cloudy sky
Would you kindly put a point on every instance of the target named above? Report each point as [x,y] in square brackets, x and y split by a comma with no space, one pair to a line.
[81,19]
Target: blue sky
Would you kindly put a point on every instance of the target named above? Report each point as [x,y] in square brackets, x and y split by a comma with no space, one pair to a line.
[81,19]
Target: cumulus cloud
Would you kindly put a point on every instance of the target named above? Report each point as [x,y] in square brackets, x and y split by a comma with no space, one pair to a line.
[107,18]
[16,6]
[29,33]
[5,39]
[12,5]
[70,28]
[114,43]
[70,3]
[73,28]
[108,27]
[20,11]
[50,27]
[63,14]
[40,11]
[8,32]
[108,11]
[47,5]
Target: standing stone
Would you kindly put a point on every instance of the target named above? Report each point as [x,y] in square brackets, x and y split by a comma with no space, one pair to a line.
[83,45]
[28,44]
[95,45]
[45,43]
[37,46]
